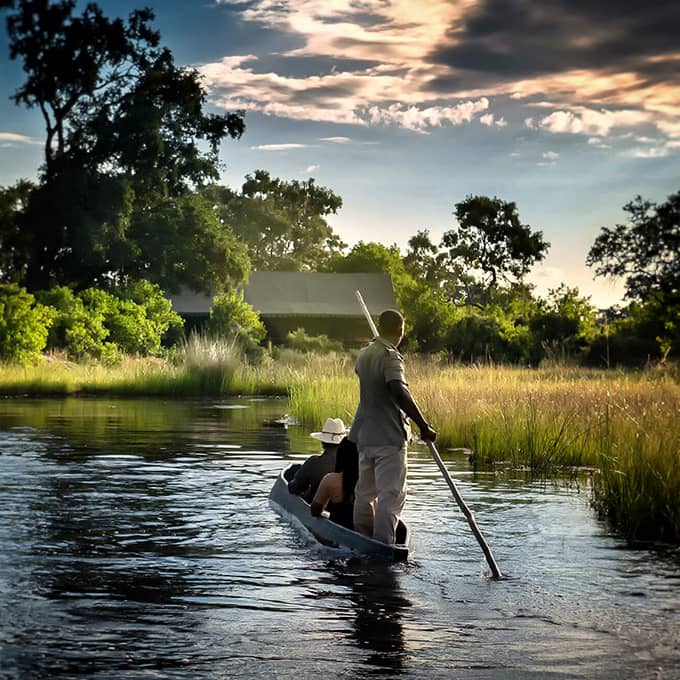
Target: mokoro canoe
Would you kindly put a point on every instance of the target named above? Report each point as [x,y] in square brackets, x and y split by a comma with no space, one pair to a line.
[332,534]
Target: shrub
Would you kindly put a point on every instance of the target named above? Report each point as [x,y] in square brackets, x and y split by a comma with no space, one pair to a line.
[24,325]
[95,323]
[232,317]
[78,321]
[321,344]
[140,318]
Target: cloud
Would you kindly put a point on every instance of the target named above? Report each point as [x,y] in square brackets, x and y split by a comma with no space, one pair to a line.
[336,140]
[338,97]
[593,67]
[590,122]
[490,120]
[13,139]
[312,168]
[653,152]
[420,120]
[277,147]
[551,155]
[500,39]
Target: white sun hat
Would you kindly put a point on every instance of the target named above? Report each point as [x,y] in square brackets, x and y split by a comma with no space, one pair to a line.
[333,431]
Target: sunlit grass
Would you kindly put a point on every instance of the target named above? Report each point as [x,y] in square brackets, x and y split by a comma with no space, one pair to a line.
[624,425]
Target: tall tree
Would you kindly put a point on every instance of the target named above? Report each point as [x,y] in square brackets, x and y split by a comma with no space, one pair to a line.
[491,239]
[13,201]
[283,223]
[125,135]
[644,250]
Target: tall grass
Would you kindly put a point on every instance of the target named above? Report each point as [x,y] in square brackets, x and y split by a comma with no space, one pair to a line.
[201,366]
[624,425]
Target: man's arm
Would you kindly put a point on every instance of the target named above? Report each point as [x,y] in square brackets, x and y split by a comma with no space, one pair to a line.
[404,400]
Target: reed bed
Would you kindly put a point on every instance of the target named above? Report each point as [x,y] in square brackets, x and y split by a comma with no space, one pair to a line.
[623,426]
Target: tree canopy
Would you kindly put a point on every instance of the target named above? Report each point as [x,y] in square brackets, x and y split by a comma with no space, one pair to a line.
[282,222]
[491,239]
[644,250]
[125,138]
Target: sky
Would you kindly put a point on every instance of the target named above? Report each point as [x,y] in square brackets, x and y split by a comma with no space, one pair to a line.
[569,108]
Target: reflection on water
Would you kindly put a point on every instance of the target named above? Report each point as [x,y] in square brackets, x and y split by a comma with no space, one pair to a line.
[378,604]
[137,541]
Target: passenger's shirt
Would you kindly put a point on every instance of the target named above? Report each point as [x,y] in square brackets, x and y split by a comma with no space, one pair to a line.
[378,420]
[313,470]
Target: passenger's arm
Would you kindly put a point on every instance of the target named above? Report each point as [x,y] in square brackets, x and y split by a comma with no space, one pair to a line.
[322,496]
[404,400]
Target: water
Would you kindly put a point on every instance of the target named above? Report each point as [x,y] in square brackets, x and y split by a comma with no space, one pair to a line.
[137,541]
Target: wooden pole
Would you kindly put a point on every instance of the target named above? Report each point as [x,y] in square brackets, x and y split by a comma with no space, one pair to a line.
[495,571]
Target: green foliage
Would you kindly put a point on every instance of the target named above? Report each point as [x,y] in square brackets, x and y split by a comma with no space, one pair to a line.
[644,251]
[428,315]
[78,321]
[13,200]
[637,335]
[566,322]
[282,223]
[317,344]
[126,139]
[140,317]
[24,325]
[233,318]
[99,324]
[182,243]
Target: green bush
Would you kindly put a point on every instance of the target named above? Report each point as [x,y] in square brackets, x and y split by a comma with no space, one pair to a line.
[95,323]
[24,325]
[319,344]
[232,317]
[78,320]
[140,318]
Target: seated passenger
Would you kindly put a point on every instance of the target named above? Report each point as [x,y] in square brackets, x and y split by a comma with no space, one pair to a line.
[336,491]
[312,471]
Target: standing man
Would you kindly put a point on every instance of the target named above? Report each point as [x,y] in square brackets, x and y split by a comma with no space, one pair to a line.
[381,431]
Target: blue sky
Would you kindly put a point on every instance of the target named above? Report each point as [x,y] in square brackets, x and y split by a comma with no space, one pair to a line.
[567,107]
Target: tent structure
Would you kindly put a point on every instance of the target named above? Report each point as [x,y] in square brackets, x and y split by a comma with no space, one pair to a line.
[318,302]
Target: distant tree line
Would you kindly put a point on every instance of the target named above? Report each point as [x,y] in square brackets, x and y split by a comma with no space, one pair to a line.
[127,205]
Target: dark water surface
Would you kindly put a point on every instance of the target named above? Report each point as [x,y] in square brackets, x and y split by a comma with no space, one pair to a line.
[136,541]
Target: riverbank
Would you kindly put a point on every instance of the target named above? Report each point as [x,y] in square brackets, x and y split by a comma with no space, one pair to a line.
[624,426]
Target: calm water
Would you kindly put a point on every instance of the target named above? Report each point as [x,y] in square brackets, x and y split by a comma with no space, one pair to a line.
[137,541]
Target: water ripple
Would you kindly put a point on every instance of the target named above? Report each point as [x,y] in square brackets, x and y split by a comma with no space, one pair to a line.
[143,545]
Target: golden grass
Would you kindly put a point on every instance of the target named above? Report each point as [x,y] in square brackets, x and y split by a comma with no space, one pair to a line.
[626,425]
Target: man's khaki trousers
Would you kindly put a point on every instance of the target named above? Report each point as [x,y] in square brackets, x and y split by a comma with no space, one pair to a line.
[380,492]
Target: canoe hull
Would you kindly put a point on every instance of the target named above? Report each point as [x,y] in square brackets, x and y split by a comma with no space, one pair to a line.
[332,534]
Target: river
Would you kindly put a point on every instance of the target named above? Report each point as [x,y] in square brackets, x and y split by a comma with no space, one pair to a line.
[137,541]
